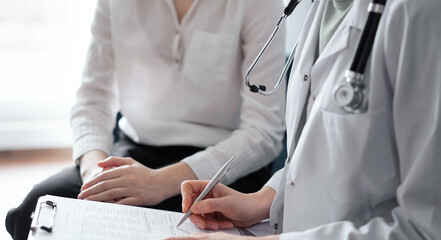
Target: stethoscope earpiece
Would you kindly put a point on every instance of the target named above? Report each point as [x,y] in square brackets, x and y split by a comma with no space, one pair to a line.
[262,88]
[255,88]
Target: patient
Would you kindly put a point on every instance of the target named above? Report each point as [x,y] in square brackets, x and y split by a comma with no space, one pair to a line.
[174,70]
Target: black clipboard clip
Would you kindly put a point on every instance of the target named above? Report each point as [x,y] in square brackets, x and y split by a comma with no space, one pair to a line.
[34,225]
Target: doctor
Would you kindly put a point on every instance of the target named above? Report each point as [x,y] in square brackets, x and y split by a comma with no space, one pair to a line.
[371,175]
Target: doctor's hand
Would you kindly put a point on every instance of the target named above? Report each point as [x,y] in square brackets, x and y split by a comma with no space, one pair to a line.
[128,182]
[220,235]
[224,207]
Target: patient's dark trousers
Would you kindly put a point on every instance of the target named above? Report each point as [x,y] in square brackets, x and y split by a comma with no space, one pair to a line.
[67,183]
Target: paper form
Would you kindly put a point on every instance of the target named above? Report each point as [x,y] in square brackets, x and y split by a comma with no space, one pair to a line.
[79,219]
[260,229]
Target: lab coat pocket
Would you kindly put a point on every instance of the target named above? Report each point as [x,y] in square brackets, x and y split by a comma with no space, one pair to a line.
[208,57]
[361,157]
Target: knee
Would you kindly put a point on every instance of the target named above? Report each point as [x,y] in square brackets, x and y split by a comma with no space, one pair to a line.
[26,207]
[19,219]
[66,183]
[10,220]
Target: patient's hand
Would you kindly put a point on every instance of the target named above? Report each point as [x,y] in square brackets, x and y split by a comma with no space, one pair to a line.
[126,181]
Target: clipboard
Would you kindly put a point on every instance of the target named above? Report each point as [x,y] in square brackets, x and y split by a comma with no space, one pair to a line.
[36,216]
[67,218]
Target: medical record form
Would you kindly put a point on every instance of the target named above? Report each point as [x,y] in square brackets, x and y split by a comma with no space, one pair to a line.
[67,218]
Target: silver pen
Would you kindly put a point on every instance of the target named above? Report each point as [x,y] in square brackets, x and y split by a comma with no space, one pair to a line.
[217,177]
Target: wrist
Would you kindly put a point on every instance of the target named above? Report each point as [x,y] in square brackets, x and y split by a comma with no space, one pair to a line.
[263,200]
[271,237]
[172,176]
[89,161]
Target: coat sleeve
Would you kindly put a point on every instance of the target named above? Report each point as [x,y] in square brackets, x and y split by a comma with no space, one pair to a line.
[414,31]
[275,180]
[93,115]
[258,140]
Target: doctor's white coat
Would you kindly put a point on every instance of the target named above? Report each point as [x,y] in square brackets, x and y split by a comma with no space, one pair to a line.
[375,175]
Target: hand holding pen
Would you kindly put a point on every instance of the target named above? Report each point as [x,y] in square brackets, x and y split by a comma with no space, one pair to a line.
[217,177]
[223,207]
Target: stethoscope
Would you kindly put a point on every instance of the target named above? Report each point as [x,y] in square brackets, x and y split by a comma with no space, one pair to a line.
[351,95]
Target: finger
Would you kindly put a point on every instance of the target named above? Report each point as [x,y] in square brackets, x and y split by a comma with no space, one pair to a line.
[211,223]
[115,162]
[128,201]
[107,168]
[103,176]
[198,220]
[225,225]
[224,222]
[205,221]
[210,205]
[101,187]
[108,195]
[206,236]
[189,237]
[215,222]
[189,189]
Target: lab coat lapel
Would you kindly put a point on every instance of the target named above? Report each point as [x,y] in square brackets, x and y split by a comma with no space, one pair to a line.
[352,25]
[298,87]
[340,40]
[304,64]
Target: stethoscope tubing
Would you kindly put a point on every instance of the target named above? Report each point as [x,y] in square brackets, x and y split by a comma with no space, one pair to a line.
[261,88]
[354,84]
[352,95]
[366,42]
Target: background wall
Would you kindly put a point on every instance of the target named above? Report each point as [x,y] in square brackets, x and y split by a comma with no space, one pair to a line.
[42,48]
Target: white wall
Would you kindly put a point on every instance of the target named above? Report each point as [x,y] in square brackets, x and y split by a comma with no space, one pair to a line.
[42,49]
[295,22]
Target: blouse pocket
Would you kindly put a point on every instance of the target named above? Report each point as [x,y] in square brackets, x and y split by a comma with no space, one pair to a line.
[207,59]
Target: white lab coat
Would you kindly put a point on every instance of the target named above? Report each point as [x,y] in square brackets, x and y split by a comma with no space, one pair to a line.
[375,175]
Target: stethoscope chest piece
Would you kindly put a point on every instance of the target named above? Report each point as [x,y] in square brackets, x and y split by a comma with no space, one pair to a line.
[352,94]
[343,94]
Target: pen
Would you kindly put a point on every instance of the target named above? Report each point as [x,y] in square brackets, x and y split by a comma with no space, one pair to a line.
[217,177]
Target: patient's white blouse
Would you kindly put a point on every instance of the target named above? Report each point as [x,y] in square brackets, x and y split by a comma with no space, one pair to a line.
[182,83]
